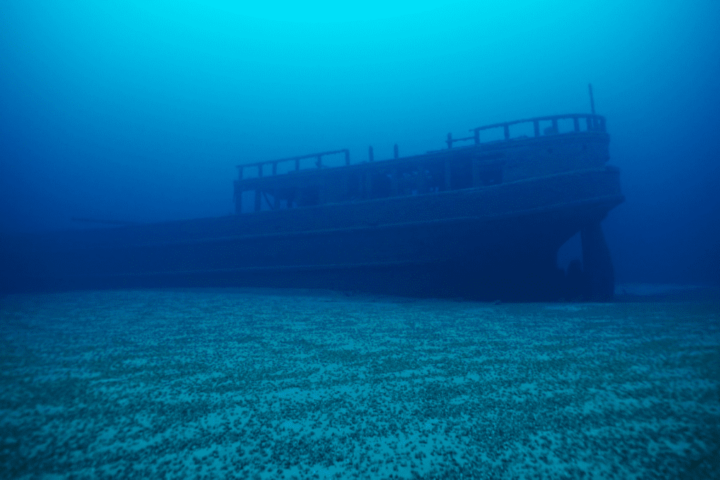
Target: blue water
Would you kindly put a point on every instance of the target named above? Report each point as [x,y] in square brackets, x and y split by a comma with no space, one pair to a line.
[139,111]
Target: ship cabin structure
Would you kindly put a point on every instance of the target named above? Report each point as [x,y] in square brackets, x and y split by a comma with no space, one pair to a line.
[513,151]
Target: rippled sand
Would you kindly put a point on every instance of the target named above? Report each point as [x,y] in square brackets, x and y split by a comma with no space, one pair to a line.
[263,384]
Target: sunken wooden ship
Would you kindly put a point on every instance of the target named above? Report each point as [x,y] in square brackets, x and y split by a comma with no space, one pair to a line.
[482,218]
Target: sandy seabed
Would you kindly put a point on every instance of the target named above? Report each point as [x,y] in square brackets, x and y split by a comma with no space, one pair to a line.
[271,384]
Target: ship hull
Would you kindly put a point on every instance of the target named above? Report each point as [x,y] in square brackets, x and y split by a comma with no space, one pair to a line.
[495,242]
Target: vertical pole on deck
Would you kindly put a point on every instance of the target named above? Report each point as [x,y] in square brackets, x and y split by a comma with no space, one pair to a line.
[371,154]
[592,100]
[395,150]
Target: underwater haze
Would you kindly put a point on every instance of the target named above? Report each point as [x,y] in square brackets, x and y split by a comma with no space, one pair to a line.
[139,111]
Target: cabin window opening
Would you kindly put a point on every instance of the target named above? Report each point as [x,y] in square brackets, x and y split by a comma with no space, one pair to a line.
[247,201]
[288,198]
[267,201]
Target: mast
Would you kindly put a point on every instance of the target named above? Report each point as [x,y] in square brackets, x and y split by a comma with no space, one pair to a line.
[592,100]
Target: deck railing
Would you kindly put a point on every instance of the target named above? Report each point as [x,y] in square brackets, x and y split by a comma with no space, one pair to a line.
[592,122]
[318,163]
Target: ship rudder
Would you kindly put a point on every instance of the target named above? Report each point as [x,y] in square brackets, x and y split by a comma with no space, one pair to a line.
[598,268]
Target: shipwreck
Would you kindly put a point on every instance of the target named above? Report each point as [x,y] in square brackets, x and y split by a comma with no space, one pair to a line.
[481,218]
